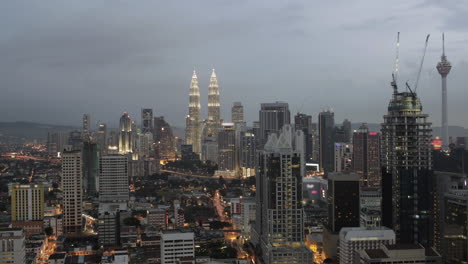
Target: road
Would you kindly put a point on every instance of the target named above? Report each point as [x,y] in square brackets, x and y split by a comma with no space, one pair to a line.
[196,175]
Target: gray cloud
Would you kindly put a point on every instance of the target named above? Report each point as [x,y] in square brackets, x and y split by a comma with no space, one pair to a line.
[59,59]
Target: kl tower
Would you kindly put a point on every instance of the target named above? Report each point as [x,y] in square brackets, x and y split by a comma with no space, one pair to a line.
[444,68]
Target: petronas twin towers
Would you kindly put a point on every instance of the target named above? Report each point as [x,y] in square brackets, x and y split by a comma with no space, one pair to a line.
[195,127]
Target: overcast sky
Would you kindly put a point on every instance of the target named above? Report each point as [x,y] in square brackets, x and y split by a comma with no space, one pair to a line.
[60,59]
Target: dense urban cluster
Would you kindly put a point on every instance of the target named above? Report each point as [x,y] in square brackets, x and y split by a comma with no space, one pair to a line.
[281,190]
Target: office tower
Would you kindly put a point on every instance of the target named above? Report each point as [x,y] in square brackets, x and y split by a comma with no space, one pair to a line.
[113,141]
[326,140]
[125,134]
[90,157]
[343,201]
[226,147]
[164,139]
[248,149]
[72,187]
[371,206]
[353,239]
[342,157]
[86,131]
[187,153]
[12,246]
[272,116]
[454,237]
[347,131]
[398,253]
[315,142]
[366,156]
[213,123]
[101,138]
[304,122]
[56,142]
[210,150]
[248,214]
[75,140]
[146,120]
[407,161]
[444,67]
[177,247]
[192,128]
[108,227]
[27,202]
[113,180]
[145,145]
[237,113]
[279,227]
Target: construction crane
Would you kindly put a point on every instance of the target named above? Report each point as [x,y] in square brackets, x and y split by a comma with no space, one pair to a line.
[395,69]
[422,61]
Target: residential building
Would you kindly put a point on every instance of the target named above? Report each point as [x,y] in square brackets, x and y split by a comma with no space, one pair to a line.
[176,245]
[12,246]
[72,187]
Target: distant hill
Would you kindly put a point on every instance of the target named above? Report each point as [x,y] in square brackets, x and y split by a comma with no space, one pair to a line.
[454,131]
[17,131]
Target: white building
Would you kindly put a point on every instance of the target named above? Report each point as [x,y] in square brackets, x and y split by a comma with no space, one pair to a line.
[56,223]
[72,188]
[176,245]
[343,156]
[248,216]
[113,180]
[352,239]
[399,253]
[12,246]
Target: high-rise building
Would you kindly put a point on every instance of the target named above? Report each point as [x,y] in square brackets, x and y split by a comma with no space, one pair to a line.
[12,246]
[343,156]
[164,139]
[304,123]
[193,119]
[343,201]
[86,131]
[177,247]
[454,236]
[279,227]
[213,123]
[347,131]
[353,239]
[326,140]
[237,112]
[90,156]
[366,156]
[227,148]
[273,116]
[113,180]
[145,145]
[371,206]
[108,227]
[247,156]
[444,67]
[125,134]
[113,141]
[146,120]
[408,179]
[398,253]
[27,202]
[101,138]
[75,140]
[72,187]
[56,142]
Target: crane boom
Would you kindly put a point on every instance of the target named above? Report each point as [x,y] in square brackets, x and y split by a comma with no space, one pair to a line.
[420,66]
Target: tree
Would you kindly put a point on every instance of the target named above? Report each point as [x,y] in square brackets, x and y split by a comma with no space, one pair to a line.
[49,231]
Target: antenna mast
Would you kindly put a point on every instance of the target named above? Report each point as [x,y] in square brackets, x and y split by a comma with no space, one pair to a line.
[395,69]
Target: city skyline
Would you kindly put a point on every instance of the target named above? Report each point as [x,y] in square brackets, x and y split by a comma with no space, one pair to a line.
[306,67]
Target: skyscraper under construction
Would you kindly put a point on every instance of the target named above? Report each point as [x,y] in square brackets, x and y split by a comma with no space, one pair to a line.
[407,180]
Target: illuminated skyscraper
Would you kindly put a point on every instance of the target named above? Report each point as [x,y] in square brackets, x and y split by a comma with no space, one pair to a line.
[101,138]
[213,123]
[237,112]
[273,116]
[86,132]
[407,180]
[227,159]
[125,134]
[192,122]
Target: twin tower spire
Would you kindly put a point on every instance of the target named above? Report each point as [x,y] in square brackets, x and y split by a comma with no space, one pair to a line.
[193,131]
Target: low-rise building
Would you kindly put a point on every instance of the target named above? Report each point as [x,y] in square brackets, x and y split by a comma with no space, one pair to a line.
[398,253]
[12,245]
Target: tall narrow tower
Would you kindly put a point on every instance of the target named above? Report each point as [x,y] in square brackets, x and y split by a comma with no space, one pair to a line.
[444,68]
[192,130]
[213,122]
